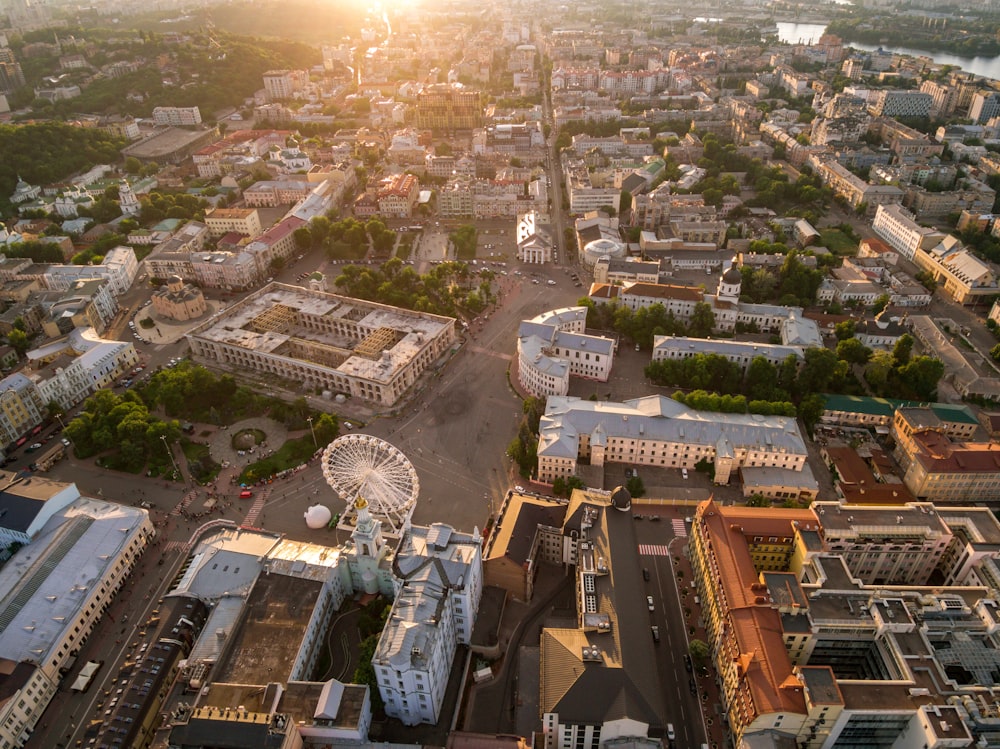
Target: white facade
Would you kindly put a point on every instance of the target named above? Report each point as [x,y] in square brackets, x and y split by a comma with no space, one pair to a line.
[552,347]
[177,116]
[119,268]
[441,582]
[667,347]
[234,342]
[97,363]
[662,432]
[899,229]
[55,590]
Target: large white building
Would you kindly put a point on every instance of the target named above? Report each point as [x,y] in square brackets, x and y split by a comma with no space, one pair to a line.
[367,350]
[177,116]
[56,588]
[68,369]
[900,230]
[727,309]
[668,347]
[119,267]
[439,575]
[553,346]
[433,574]
[659,431]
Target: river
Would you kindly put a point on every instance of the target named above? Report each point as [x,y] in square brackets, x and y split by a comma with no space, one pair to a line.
[794,33]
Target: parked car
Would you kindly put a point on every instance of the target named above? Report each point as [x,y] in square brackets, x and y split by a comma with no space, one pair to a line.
[246,494]
[32,448]
[649,603]
[645,574]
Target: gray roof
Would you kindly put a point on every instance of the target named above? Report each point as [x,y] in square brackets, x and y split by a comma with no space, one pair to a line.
[657,418]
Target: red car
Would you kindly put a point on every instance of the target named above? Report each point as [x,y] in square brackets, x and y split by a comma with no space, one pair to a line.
[246,494]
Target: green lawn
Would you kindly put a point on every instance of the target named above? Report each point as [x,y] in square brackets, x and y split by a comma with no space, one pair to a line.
[837,242]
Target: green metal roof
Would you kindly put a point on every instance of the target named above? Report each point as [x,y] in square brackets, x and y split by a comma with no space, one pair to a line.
[887,407]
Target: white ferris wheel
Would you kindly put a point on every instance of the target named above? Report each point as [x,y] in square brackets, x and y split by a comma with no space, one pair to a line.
[360,465]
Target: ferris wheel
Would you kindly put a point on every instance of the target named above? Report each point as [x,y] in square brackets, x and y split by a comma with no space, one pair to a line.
[360,465]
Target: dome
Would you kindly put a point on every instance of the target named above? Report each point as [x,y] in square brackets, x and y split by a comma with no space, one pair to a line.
[732,276]
[594,251]
[318,516]
[621,499]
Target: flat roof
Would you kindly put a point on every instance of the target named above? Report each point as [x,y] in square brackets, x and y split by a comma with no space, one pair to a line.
[268,637]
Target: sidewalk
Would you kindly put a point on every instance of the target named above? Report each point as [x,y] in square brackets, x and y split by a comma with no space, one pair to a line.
[708,686]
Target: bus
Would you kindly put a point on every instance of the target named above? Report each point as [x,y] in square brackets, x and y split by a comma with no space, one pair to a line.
[86,676]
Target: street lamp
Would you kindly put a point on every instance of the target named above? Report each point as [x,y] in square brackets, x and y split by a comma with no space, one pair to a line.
[312,431]
[163,439]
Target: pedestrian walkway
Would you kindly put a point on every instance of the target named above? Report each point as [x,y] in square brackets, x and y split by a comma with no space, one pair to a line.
[680,527]
[186,500]
[256,508]
[654,550]
[183,546]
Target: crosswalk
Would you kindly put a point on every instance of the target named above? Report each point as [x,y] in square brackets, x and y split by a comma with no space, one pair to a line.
[185,501]
[255,509]
[680,527]
[654,550]
[176,546]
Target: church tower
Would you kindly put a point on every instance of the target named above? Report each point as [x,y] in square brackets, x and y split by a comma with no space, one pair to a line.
[369,547]
[127,200]
[729,285]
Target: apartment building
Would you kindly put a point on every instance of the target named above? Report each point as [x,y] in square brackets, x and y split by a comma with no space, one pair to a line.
[177,116]
[809,641]
[586,669]
[959,273]
[444,107]
[899,103]
[397,197]
[856,190]
[439,578]
[221,221]
[899,229]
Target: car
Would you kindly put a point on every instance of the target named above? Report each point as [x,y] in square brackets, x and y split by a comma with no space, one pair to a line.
[656,633]
[645,574]
[246,494]
[550,282]
[649,603]
[684,472]
[687,663]
[65,442]
[671,735]
[693,687]
[519,489]
[32,448]
[637,347]
[534,280]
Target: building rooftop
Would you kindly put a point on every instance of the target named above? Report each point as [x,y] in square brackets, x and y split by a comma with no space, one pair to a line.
[268,636]
[46,583]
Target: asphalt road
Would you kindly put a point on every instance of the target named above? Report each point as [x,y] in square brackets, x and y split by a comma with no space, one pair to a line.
[683,709]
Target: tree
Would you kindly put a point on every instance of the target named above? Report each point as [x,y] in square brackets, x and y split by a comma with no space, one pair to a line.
[303,238]
[635,486]
[844,330]
[811,410]
[820,370]
[702,321]
[758,500]
[18,341]
[699,651]
[995,352]
[761,380]
[919,378]
[853,351]
[902,351]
